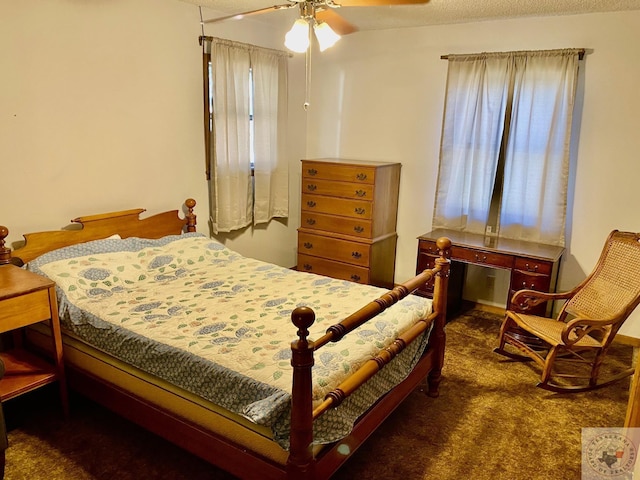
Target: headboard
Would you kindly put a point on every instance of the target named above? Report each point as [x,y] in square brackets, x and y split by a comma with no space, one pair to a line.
[126,223]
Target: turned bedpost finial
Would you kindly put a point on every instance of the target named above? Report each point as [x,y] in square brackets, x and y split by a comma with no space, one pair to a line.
[303,318]
[190,203]
[444,246]
[5,252]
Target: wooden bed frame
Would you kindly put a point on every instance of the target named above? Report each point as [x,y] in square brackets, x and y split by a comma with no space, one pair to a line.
[303,461]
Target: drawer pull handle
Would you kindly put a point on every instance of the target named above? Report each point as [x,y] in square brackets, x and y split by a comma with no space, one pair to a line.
[312,172]
[356,254]
[359,211]
[311,221]
[530,287]
[361,193]
[355,278]
[358,229]
[308,245]
[307,267]
[529,269]
[361,176]
[311,204]
[482,258]
[311,187]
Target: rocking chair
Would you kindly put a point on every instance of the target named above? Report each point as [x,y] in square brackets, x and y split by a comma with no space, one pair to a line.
[581,334]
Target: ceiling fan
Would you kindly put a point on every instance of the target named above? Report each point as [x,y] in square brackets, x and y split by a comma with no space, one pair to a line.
[327,25]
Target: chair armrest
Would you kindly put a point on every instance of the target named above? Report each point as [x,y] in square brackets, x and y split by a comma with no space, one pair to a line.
[578,327]
[527,299]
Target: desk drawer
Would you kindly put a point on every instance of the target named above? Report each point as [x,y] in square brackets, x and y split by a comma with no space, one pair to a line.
[497,260]
[322,266]
[533,266]
[334,249]
[428,247]
[529,281]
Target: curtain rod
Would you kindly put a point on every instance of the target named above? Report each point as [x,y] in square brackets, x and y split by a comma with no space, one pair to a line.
[581,53]
[248,46]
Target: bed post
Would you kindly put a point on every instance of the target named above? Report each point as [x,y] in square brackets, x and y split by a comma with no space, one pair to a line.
[190,203]
[300,464]
[439,306]
[5,252]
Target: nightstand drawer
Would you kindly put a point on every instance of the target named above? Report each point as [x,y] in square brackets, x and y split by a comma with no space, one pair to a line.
[333,249]
[24,310]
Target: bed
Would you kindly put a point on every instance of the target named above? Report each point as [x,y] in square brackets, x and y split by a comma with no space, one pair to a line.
[260,370]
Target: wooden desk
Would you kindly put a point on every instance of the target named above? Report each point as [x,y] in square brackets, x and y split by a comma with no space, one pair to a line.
[532,265]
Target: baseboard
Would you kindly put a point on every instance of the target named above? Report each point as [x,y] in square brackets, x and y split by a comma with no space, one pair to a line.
[627,340]
[487,308]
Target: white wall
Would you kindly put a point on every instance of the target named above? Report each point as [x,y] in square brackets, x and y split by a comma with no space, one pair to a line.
[100,110]
[379,95]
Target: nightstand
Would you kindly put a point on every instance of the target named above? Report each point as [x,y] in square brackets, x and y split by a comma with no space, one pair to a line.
[27,298]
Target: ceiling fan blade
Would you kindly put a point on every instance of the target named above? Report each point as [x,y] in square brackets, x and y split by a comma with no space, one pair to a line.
[251,12]
[374,3]
[336,22]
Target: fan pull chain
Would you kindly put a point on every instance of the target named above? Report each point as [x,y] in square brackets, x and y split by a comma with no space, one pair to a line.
[307,72]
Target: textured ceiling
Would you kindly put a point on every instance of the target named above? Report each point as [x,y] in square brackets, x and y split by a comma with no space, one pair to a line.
[435,12]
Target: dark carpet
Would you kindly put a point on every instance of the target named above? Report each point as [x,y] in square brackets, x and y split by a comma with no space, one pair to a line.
[490,422]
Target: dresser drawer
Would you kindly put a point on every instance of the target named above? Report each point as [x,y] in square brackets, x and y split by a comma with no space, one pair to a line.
[322,266]
[479,257]
[334,249]
[339,172]
[337,206]
[335,224]
[358,191]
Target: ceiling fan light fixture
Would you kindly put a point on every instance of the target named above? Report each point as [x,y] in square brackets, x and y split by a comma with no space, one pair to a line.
[297,39]
[325,35]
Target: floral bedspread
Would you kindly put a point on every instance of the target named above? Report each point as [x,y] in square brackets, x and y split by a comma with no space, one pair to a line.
[193,312]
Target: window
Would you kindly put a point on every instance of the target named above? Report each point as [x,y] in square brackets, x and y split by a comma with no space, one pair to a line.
[245,125]
[504,154]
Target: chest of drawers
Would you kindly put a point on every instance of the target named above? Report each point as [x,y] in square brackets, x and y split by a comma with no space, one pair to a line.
[348,220]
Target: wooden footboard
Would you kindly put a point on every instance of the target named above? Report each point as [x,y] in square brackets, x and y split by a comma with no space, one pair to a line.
[302,463]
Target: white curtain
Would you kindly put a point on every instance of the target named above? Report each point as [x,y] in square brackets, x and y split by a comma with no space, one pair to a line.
[271,173]
[534,198]
[231,189]
[520,103]
[236,200]
[474,114]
